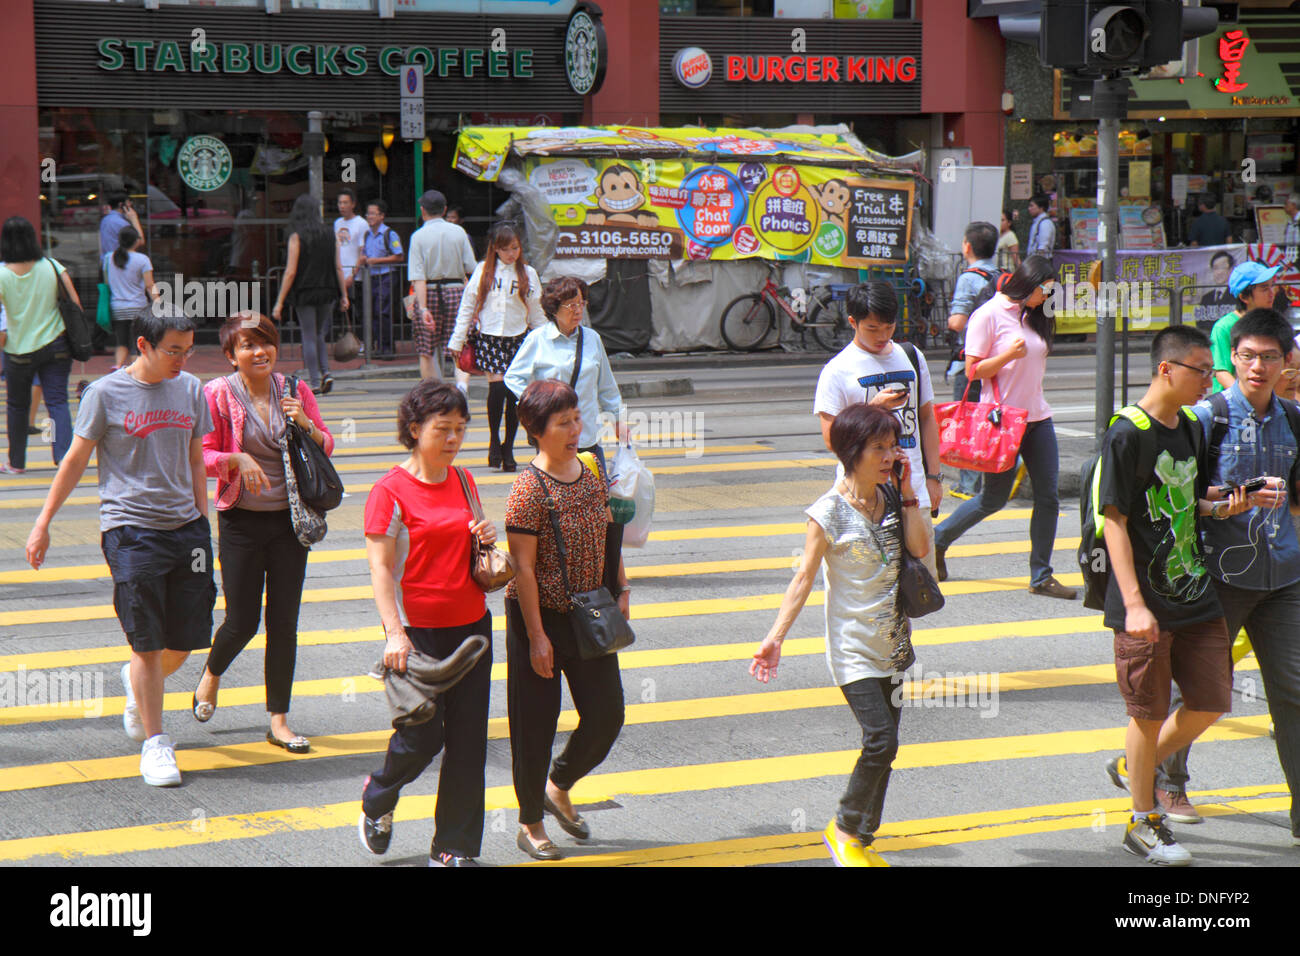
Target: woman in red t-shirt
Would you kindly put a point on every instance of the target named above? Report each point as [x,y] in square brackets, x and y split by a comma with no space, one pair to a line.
[418,528]
[539,638]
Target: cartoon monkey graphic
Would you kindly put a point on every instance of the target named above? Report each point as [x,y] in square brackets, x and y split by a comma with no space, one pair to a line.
[618,195]
[835,197]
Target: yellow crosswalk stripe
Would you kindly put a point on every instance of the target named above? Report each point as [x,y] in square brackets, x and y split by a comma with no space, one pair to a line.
[88,572]
[905,835]
[591,789]
[656,657]
[951,588]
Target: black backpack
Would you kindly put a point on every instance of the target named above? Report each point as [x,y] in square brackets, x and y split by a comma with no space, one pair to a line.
[993,282]
[1093,561]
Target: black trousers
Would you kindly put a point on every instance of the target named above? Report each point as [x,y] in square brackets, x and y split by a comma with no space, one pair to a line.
[259,549]
[871,699]
[533,704]
[459,730]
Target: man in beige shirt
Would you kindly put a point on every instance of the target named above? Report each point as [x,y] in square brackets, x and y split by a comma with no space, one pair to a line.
[440,260]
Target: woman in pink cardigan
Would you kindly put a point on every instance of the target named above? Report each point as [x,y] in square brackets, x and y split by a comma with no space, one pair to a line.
[258,546]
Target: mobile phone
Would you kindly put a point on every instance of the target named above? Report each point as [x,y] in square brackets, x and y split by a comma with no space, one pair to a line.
[896,387]
[898,468]
[1255,484]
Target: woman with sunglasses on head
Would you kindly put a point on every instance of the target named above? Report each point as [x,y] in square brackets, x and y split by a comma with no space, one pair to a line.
[502,301]
[564,349]
[856,533]
[1008,339]
[259,549]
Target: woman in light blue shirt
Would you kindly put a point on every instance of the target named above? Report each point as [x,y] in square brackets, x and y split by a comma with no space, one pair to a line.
[552,351]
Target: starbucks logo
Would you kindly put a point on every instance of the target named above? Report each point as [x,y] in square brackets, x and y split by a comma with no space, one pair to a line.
[584,51]
[204,163]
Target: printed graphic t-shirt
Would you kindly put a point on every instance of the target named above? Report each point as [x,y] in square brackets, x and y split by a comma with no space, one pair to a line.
[143,434]
[431,524]
[351,236]
[1161,513]
[856,375]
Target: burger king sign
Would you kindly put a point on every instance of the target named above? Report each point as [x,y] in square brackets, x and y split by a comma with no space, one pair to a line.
[692,67]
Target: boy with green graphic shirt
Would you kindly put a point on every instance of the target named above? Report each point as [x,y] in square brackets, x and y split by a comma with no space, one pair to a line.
[1160,601]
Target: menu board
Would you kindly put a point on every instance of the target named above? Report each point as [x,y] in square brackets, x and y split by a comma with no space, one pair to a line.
[877,222]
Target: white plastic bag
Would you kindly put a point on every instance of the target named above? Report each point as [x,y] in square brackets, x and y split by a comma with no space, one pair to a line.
[630,480]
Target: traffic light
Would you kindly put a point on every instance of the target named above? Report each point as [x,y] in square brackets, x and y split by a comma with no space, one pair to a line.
[1095,38]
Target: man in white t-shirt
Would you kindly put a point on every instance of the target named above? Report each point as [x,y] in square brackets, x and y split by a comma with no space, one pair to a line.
[876,370]
[350,231]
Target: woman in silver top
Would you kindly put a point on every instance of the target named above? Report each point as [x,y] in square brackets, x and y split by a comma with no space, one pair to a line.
[858,530]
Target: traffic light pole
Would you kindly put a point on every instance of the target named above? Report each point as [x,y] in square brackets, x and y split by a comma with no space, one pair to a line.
[1107,236]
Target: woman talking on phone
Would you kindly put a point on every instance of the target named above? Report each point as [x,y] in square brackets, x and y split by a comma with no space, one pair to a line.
[858,529]
[1008,339]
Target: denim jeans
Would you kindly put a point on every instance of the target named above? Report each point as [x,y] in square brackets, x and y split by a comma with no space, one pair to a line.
[1038,450]
[52,363]
[864,799]
[1270,619]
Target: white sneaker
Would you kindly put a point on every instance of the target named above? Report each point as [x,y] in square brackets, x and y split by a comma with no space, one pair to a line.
[131,721]
[1149,838]
[158,762]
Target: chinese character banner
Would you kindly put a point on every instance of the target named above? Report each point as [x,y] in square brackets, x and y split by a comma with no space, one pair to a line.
[668,208]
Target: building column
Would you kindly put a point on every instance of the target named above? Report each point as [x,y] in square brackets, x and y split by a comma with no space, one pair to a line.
[20,161]
[630,94]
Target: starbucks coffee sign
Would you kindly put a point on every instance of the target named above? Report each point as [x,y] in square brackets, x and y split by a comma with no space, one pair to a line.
[585,52]
[204,163]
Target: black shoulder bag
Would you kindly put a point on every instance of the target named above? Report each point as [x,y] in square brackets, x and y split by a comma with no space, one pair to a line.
[918,592]
[599,627]
[319,484]
[80,328]
[577,363]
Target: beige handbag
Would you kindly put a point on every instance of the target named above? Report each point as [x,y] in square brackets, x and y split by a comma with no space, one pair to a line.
[491,568]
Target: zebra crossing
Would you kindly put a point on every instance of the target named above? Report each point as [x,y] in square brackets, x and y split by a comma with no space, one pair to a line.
[1008,715]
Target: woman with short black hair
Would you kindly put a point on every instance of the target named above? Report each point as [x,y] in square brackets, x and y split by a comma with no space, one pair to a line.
[36,342]
[858,529]
[419,527]
[539,637]
[562,347]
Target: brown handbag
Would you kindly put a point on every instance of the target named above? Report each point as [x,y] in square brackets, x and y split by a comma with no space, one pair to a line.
[491,568]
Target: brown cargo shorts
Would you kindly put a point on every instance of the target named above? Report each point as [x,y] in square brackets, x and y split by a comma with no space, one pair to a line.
[1198,656]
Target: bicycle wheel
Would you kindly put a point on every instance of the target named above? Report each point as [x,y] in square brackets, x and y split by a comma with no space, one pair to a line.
[747,321]
[828,324]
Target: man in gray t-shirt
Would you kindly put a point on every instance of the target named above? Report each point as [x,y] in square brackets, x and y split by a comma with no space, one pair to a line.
[146,423]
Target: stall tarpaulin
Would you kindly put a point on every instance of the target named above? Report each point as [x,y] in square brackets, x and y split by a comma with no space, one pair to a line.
[707,194]
[1200,275]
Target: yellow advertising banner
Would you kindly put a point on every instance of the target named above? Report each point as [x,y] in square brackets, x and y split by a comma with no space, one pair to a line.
[628,208]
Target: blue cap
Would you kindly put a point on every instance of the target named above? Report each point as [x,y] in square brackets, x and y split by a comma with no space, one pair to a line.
[1248,274]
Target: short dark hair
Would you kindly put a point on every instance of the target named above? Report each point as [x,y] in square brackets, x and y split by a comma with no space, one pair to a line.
[247,324]
[1041,201]
[1222,255]
[430,397]
[540,401]
[857,426]
[18,242]
[433,202]
[983,239]
[1174,342]
[559,290]
[349,192]
[380,205]
[875,299]
[153,323]
[1264,324]
[1208,201]
[115,197]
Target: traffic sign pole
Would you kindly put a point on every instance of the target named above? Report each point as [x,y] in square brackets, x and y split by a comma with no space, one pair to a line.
[411,89]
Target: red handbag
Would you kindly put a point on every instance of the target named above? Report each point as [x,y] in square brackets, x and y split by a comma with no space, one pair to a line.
[978,436]
[466,360]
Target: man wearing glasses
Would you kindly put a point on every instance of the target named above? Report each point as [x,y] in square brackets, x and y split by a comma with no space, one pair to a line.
[145,424]
[1251,284]
[1253,557]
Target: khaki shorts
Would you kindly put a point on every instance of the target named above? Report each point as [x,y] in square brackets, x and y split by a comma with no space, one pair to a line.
[1198,656]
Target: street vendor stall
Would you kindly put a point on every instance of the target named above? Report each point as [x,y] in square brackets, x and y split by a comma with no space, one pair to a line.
[678,220]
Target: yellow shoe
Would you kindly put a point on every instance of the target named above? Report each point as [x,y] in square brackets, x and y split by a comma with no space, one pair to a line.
[850,852]
[954,493]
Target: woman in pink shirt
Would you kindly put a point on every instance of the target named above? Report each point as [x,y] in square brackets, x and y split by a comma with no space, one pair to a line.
[1007,340]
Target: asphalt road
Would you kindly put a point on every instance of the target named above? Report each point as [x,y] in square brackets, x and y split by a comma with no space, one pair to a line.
[711,768]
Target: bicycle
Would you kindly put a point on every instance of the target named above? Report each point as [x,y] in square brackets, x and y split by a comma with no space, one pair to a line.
[749,320]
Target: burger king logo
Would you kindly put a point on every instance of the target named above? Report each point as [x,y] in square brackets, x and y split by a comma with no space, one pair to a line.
[692,67]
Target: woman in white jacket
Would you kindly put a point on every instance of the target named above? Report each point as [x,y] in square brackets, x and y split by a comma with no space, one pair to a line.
[502,301]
